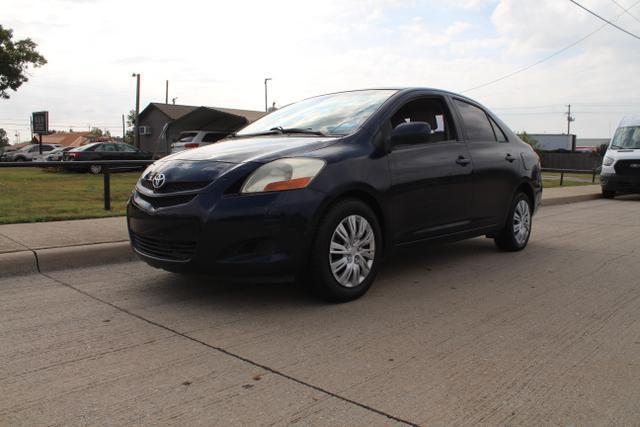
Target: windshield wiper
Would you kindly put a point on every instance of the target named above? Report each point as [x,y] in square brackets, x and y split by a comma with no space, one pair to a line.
[280,129]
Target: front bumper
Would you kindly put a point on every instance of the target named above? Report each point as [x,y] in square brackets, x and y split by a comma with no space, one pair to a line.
[620,183]
[257,236]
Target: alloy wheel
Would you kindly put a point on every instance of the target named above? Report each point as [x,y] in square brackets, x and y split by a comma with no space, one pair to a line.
[521,222]
[352,251]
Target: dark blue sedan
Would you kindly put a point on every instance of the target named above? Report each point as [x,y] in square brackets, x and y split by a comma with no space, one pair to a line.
[321,189]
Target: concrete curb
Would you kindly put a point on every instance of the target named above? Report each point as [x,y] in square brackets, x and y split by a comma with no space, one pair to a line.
[570,199]
[18,263]
[52,259]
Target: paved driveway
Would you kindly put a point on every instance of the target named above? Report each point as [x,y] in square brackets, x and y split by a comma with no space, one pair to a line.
[449,335]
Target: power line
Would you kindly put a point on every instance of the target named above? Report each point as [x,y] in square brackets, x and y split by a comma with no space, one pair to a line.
[564,49]
[604,19]
[626,11]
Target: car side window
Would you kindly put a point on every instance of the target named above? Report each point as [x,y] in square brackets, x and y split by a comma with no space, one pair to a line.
[106,147]
[126,148]
[430,110]
[500,136]
[47,148]
[476,122]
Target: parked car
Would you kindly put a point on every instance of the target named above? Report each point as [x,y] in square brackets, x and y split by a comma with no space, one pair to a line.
[53,155]
[28,152]
[321,189]
[103,151]
[621,164]
[196,138]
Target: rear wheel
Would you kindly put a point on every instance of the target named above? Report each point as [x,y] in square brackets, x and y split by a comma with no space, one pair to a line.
[608,194]
[95,169]
[346,252]
[516,232]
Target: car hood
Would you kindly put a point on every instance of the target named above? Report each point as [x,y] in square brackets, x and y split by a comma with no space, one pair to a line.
[625,154]
[260,149]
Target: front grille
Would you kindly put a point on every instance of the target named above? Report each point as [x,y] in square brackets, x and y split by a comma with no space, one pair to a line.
[163,202]
[176,251]
[174,187]
[624,167]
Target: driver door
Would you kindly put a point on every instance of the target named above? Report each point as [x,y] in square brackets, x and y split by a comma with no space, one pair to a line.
[430,181]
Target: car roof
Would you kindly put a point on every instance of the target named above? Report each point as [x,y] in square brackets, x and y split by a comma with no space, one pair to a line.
[630,121]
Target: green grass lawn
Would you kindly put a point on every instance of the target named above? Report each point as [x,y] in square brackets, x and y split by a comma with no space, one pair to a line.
[551,180]
[31,195]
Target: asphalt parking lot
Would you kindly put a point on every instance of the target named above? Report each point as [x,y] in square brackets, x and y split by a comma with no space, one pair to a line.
[457,334]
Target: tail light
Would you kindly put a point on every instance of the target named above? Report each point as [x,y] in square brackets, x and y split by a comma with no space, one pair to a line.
[191,145]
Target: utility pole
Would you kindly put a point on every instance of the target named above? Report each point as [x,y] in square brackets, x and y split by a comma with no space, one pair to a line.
[570,119]
[123,131]
[136,130]
[166,92]
[266,105]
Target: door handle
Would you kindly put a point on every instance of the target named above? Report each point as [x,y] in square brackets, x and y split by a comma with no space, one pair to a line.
[509,158]
[463,161]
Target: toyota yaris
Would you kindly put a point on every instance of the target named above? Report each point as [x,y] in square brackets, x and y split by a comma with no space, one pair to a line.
[321,189]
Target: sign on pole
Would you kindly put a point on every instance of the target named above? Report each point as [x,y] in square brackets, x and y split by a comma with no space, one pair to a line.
[41,122]
[40,125]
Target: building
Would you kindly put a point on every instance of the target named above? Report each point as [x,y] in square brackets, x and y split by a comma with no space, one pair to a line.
[553,142]
[68,139]
[160,124]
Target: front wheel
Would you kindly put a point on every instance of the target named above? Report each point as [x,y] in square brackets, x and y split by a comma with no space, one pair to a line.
[95,169]
[346,252]
[516,232]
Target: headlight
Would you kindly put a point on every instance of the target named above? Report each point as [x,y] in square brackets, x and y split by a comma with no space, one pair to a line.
[283,174]
[608,161]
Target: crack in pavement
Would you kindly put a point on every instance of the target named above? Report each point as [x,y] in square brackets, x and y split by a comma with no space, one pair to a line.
[233,355]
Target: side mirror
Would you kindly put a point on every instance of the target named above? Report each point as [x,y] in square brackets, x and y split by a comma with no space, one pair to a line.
[411,133]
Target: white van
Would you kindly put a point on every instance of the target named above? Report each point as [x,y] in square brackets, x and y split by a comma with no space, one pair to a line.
[621,165]
[196,138]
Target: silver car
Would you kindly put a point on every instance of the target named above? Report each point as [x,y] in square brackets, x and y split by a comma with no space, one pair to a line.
[196,138]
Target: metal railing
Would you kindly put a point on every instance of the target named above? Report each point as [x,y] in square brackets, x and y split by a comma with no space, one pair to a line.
[107,167]
[593,172]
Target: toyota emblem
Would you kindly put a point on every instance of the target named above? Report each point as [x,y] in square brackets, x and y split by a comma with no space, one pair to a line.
[158,181]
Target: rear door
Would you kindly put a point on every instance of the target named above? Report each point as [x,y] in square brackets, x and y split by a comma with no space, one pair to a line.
[495,164]
[430,181]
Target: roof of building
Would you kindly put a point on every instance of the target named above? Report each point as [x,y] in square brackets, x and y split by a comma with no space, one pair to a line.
[175,112]
[74,139]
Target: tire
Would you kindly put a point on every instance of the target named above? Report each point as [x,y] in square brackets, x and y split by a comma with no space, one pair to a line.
[513,237]
[608,194]
[345,282]
[95,169]
[20,159]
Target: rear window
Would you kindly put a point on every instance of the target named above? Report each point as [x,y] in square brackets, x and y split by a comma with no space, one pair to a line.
[88,147]
[213,136]
[187,137]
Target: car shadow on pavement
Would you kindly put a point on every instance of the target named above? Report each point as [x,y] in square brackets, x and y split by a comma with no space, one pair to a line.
[407,260]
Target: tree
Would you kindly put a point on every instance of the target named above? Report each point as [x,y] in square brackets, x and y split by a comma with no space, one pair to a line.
[4,139]
[15,59]
[131,122]
[530,140]
[602,149]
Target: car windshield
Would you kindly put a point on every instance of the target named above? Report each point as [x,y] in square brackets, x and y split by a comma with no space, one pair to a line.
[26,148]
[335,114]
[627,138]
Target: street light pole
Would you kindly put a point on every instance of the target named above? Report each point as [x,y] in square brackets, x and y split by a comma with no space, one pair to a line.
[266,105]
[136,130]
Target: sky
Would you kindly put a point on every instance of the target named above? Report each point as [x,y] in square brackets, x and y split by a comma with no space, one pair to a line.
[217,53]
